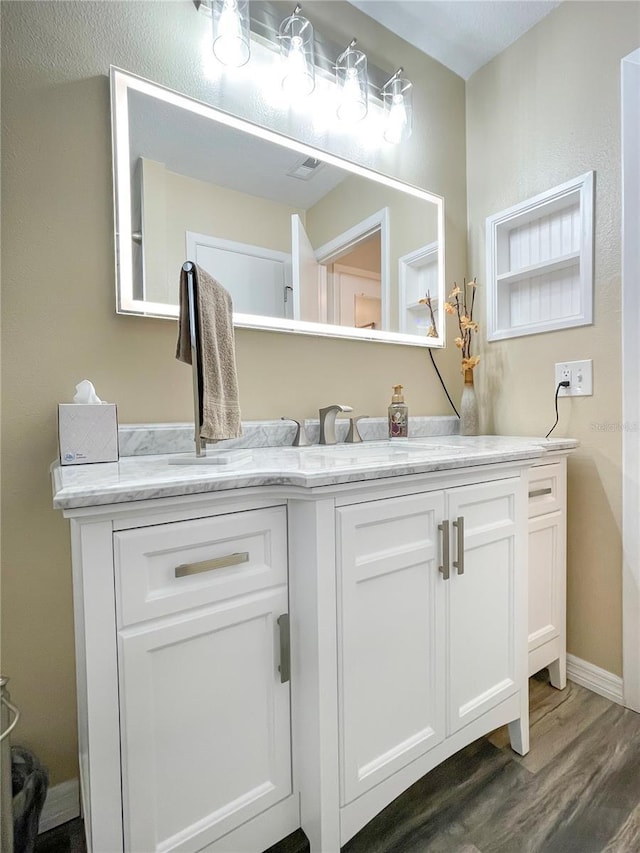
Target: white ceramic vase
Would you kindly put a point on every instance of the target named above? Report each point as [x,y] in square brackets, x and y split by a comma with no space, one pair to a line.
[469,418]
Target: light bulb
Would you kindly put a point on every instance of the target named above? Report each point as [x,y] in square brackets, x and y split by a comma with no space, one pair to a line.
[397,108]
[297,81]
[352,107]
[397,121]
[230,44]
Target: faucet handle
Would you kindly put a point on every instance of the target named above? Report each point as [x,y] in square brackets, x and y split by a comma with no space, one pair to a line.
[301,439]
[353,436]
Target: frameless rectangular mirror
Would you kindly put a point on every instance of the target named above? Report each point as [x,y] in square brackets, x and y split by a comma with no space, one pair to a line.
[303,241]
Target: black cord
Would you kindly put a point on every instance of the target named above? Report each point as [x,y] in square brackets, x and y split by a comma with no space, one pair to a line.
[564,384]
[442,381]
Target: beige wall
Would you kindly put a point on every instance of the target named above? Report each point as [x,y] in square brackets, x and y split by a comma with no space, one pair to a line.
[365,256]
[544,111]
[58,303]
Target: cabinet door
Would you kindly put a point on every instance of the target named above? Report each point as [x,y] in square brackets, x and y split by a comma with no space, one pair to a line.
[483,600]
[546,578]
[547,570]
[390,637]
[205,722]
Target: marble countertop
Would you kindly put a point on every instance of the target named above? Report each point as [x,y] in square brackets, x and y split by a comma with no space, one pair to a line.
[136,478]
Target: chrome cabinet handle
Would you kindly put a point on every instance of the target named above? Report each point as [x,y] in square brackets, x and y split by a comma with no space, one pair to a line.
[209,565]
[444,568]
[537,493]
[285,648]
[459,563]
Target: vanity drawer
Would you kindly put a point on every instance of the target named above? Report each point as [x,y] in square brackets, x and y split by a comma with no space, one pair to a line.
[546,488]
[167,568]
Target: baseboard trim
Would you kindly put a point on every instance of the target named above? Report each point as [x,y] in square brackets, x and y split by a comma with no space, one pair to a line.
[594,678]
[62,804]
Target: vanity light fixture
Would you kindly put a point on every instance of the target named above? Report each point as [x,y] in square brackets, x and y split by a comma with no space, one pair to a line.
[304,52]
[231,31]
[396,97]
[353,83]
[296,47]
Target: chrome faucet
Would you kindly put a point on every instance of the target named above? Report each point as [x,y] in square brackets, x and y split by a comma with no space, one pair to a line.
[328,422]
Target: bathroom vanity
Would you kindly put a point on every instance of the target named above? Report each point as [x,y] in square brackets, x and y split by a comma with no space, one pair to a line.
[293,638]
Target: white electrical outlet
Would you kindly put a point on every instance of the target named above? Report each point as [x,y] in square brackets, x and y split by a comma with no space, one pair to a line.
[580,376]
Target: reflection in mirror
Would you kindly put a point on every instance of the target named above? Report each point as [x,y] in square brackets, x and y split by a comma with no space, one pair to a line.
[302,240]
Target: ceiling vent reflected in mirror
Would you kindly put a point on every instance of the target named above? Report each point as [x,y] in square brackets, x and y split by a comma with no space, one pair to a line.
[306,169]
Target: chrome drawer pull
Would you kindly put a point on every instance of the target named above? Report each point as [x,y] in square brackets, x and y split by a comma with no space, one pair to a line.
[285,648]
[444,568]
[538,493]
[209,565]
[459,563]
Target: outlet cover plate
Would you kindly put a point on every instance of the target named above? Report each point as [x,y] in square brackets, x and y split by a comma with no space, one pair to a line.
[579,373]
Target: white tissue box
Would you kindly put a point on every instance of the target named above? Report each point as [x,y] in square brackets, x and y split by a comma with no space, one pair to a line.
[87,432]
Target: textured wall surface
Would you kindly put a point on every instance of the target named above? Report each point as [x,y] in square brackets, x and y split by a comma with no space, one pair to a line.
[545,111]
[58,302]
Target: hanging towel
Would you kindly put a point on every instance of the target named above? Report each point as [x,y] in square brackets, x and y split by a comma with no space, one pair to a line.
[220,406]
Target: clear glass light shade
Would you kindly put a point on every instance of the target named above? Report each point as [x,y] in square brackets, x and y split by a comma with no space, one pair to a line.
[296,48]
[231,44]
[353,84]
[397,110]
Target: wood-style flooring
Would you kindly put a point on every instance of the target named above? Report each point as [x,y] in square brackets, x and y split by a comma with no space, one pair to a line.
[577,790]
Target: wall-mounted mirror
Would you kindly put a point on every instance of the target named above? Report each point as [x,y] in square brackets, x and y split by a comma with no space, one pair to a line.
[303,241]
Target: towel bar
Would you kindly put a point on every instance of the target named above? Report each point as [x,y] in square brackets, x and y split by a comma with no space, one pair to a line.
[196,364]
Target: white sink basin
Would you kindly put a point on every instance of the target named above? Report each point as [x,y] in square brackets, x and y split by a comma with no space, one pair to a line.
[380,449]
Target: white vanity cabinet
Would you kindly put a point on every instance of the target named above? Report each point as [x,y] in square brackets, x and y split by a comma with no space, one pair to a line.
[431,592]
[547,569]
[403,582]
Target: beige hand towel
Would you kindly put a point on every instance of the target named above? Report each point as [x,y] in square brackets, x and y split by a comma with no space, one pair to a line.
[220,414]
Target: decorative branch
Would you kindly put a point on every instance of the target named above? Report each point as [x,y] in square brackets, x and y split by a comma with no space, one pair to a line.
[458,305]
[432,331]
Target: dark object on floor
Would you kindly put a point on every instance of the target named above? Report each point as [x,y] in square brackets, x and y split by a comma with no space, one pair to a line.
[29,783]
[66,838]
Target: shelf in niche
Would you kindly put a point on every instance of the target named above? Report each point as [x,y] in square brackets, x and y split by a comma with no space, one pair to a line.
[568,260]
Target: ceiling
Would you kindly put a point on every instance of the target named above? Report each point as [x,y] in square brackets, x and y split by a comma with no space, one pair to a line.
[199,147]
[461,34]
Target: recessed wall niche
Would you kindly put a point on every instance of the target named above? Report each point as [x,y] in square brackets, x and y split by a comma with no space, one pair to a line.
[540,262]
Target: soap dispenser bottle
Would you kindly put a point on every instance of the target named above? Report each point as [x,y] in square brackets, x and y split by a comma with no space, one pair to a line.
[398,415]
